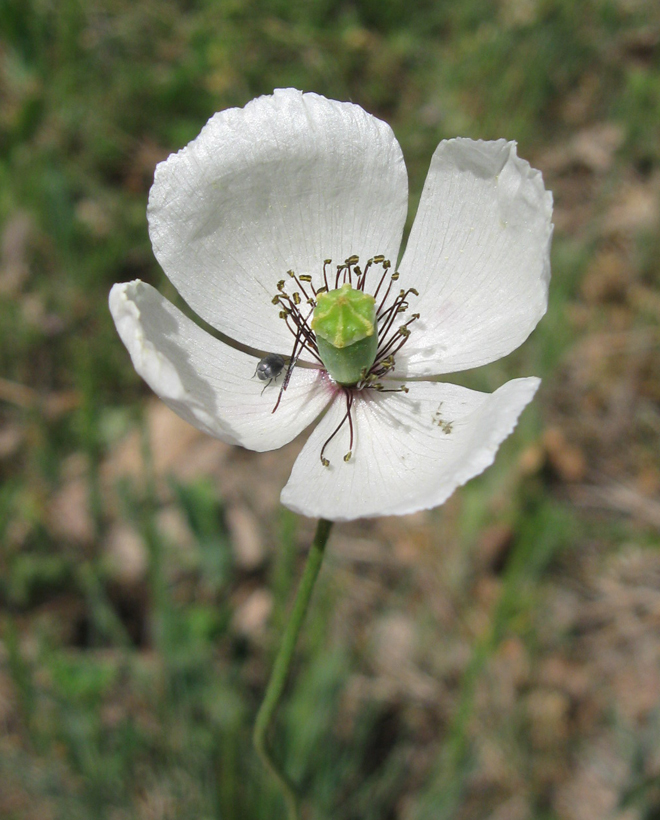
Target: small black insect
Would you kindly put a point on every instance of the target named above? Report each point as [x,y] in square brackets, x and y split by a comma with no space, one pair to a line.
[269,368]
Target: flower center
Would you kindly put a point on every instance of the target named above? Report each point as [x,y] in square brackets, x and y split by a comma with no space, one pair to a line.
[352,334]
[344,324]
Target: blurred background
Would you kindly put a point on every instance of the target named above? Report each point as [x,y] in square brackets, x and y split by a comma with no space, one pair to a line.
[496,658]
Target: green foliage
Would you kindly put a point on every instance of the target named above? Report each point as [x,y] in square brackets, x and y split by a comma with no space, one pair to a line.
[134,701]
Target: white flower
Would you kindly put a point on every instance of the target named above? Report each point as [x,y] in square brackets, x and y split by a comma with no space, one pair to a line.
[292,180]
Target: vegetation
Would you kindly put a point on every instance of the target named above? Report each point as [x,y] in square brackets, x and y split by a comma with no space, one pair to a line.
[496,658]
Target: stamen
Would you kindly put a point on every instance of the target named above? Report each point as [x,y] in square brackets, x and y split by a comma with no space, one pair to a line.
[382,367]
[292,363]
[385,327]
[363,274]
[346,271]
[302,325]
[299,280]
[400,338]
[390,339]
[391,312]
[382,260]
[346,417]
[393,279]
[402,332]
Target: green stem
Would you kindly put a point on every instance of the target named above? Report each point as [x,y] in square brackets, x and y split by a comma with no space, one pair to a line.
[282,664]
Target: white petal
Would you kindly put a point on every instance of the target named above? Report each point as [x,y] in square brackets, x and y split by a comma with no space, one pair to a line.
[411,451]
[479,255]
[208,383]
[282,184]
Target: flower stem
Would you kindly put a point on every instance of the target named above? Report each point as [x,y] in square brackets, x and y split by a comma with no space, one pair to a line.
[281,667]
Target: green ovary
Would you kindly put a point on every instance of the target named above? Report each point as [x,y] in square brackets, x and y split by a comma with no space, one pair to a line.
[345,327]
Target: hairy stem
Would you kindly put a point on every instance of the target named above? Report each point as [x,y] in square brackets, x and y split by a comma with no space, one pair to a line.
[282,664]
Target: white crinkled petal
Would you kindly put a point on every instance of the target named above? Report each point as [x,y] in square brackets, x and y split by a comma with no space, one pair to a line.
[411,451]
[282,184]
[479,255]
[206,382]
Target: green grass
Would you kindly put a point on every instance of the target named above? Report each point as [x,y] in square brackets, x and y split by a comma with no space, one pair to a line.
[139,702]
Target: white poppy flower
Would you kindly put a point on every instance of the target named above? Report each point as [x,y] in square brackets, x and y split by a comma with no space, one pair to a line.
[285,184]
